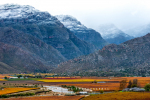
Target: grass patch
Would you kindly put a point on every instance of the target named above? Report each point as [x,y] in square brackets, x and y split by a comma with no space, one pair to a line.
[22,79]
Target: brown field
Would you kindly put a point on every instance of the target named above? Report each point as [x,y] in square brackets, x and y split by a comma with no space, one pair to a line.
[97,86]
[48,98]
[111,83]
[32,74]
[120,96]
[3,75]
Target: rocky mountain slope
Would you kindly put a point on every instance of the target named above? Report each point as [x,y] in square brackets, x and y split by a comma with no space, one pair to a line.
[82,32]
[37,38]
[131,57]
[112,34]
[23,52]
[45,27]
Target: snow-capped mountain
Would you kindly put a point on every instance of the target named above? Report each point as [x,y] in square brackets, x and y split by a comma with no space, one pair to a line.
[87,34]
[37,35]
[13,11]
[71,23]
[26,12]
[112,34]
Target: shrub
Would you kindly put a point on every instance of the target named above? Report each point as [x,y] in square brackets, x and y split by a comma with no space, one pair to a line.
[5,77]
[147,87]
[35,85]
[101,91]
[4,96]
[134,85]
[64,86]
[94,81]
[116,91]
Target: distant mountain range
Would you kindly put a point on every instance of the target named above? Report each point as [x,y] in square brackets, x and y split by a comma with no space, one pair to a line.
[129,58]
[112,34]
[82,32]
[139,30]
[40,38]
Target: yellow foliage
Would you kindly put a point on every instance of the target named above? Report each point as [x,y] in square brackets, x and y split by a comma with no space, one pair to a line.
[14,90]
[68,80]
[49,98]
[2,80]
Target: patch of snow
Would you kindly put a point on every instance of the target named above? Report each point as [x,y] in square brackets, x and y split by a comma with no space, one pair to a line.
[71,23]
[29,13]
[14,10]
[110,31]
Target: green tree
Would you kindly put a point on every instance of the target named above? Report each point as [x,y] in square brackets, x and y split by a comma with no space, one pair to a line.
[130,84]
[19,76]
[101,91]
[133,83]
[147,87]
[5,77]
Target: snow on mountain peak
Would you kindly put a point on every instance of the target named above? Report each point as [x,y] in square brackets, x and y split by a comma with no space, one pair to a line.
[71,22]
[14,10]
[110,31]
[66,18]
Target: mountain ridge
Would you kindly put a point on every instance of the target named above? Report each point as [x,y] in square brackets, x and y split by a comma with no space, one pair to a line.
[50,30]
[82,32]
[128,58]
[112,34]
[39,37]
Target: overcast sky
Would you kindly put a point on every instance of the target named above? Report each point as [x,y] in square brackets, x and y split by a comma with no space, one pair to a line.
[123,13]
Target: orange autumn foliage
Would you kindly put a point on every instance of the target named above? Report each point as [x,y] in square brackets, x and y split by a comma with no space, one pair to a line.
[4,75]
[49,98]
[120,96]
[112,83]
[97,86]
[14,90]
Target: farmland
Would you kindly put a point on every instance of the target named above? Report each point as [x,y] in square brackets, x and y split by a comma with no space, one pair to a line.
[14,90]
[96,83]
[4,75]
[97,86]
[120,96]
[48,98]
[90,84]
[2,80]
[68,80]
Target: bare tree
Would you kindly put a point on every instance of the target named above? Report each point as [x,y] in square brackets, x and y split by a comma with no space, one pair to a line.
[123,84]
